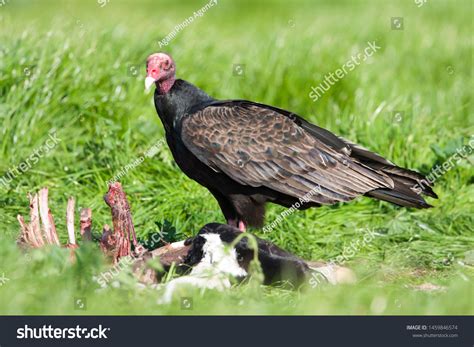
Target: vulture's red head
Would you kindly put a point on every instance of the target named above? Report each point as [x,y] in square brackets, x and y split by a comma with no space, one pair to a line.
[160,70]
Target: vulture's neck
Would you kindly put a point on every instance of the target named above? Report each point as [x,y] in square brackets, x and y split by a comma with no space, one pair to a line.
[183,98]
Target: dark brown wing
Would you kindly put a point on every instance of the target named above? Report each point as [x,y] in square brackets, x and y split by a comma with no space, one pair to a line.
[258,146]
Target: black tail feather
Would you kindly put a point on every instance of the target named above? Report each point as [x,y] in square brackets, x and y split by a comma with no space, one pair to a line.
[398,198]
[407,190]
[409,186]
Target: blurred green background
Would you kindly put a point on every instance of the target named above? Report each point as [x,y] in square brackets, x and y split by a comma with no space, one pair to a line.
[77,68]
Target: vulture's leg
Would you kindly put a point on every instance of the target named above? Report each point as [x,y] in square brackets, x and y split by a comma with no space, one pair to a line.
[227,208]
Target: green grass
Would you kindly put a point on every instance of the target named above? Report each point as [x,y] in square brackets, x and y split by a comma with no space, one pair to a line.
[70,66]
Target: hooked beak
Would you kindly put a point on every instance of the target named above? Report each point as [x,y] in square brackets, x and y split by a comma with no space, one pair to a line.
[149,81]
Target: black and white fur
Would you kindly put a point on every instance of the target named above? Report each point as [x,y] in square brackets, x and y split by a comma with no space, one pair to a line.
[214,264]
[277,264]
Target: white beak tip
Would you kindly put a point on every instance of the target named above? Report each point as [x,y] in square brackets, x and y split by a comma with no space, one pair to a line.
[149,81]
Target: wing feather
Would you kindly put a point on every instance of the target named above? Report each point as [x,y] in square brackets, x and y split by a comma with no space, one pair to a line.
[260,147]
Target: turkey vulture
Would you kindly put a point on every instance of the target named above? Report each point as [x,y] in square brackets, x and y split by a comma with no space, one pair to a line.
[248,154]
